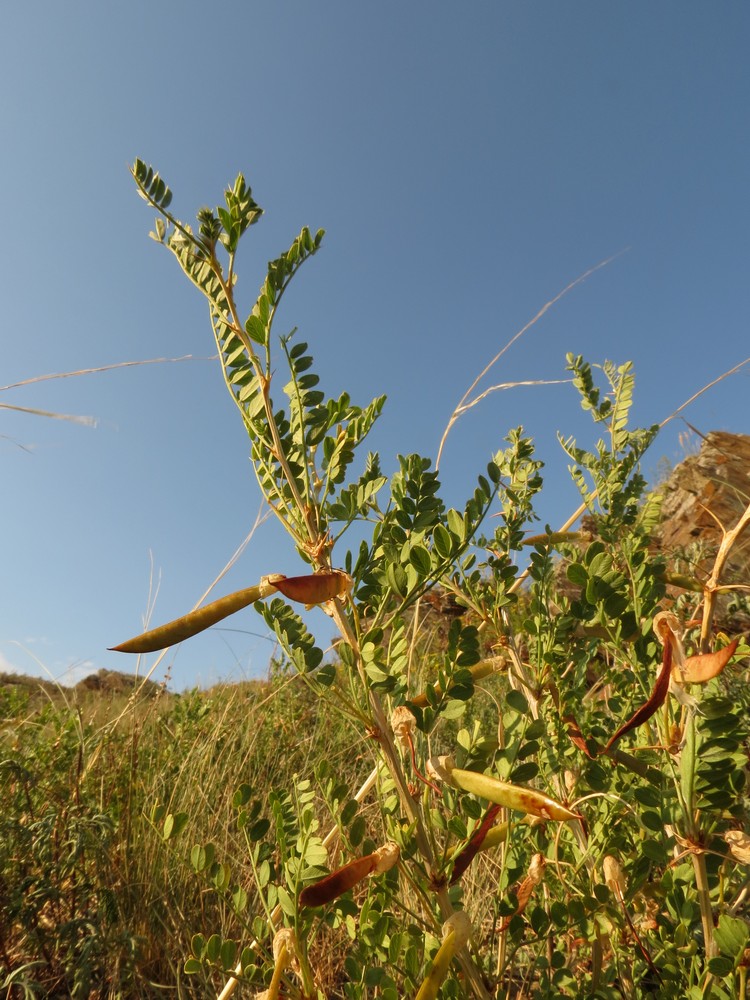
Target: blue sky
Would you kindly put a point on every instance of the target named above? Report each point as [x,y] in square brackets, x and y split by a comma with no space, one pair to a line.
[467,161]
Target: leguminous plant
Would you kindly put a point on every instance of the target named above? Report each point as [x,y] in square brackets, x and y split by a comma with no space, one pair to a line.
[551,797]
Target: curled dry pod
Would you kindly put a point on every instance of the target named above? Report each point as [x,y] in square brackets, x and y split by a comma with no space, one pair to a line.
[284,947]
[475,844]
[577,738]
[386,857]
[196,621]
[525,800]
[666,626]
[316,588]
[701,668]
[614,876]
[404,726]
[526,888]
[657,699]
[456,932]
[332,886]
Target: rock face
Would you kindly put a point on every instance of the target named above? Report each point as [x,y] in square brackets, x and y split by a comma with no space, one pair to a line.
[706,490]
[703,491]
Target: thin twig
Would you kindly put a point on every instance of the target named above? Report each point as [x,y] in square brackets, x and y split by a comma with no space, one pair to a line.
[461,407]
[259,519]
[509,385]
[104,368]
[709,385]
[72,417]
[711,586]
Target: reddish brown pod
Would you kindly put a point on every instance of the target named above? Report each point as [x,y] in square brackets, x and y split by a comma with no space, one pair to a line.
[705,666]
[315,588]
[332,886]
[653,703]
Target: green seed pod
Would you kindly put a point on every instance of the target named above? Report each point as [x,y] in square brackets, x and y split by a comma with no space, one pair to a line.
[456,932]
[196,621]
[525,800]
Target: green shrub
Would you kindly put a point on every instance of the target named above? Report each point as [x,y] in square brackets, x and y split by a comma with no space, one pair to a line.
[554,753]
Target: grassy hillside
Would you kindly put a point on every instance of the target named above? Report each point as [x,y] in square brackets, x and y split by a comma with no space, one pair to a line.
[94,900]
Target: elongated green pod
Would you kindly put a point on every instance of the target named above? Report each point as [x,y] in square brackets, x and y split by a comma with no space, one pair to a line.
[456,932]
[526,800]
[196,621]
[494,836]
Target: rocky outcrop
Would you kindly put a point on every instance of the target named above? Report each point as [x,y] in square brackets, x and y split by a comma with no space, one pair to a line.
[706,491]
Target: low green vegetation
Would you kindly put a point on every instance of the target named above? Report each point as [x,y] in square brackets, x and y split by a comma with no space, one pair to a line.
[95,901]
[520,773]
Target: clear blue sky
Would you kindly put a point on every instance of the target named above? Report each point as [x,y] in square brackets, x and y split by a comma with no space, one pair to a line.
[467,162]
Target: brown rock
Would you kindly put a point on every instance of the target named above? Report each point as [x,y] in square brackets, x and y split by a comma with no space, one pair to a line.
[705,491]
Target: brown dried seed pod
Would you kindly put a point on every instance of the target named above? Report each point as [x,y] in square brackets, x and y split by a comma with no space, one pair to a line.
[337,883]
[315,588]
[657,699]
[403,725]
[701,668]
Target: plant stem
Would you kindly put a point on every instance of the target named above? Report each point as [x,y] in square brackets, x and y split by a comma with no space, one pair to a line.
[693,833]
[704,898]
[711,588]
[409,805]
